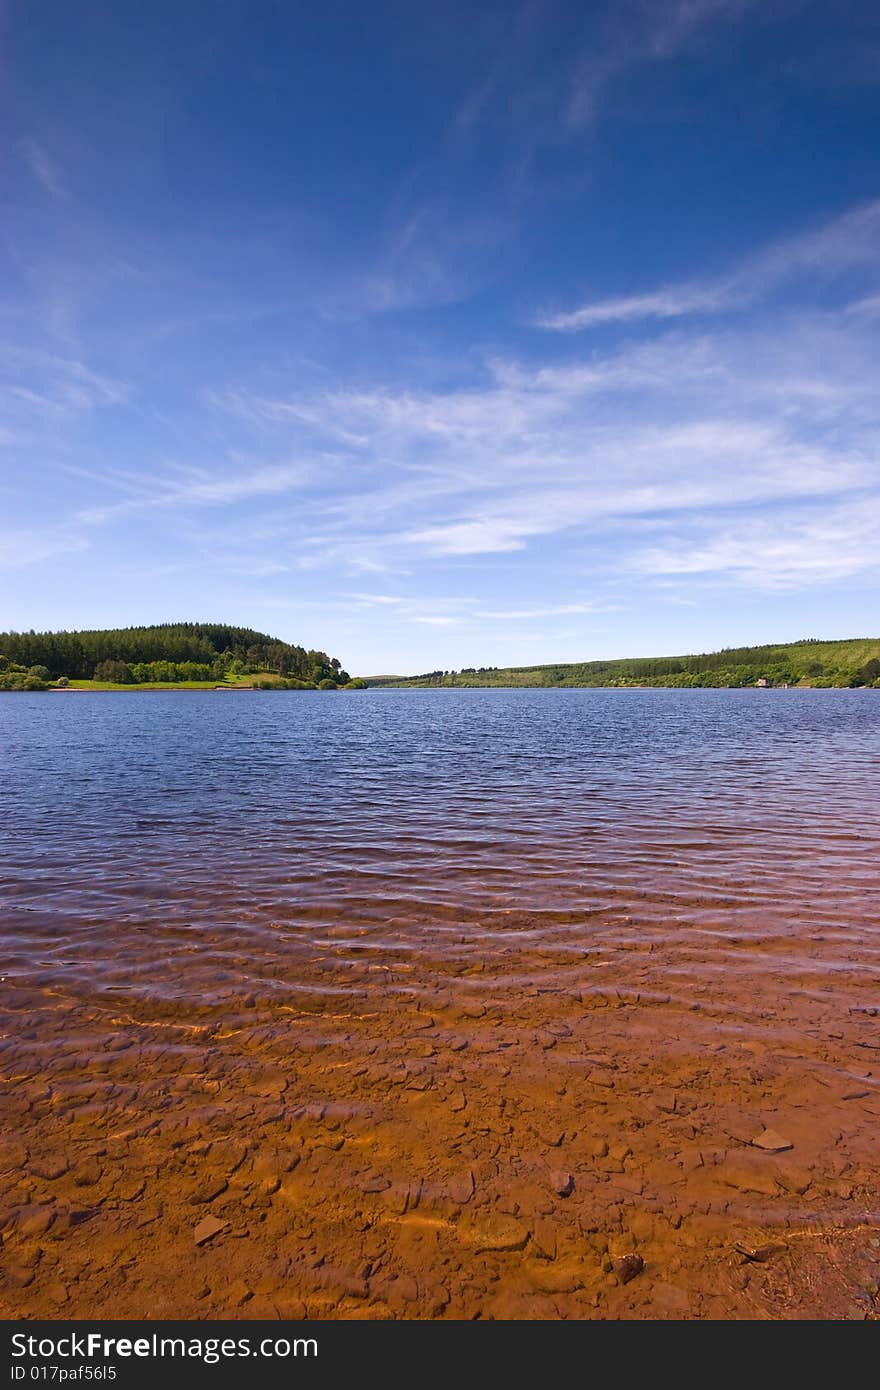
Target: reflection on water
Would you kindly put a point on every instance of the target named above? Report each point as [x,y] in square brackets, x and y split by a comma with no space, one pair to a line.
[402,893]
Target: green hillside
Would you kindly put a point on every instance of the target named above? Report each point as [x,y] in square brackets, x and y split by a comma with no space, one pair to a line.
[807,663]
[175,654]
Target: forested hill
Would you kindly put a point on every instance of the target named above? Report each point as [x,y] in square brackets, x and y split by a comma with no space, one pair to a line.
[808,663]
[215,649]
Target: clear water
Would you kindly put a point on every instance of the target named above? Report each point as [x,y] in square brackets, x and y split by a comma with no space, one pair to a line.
[133,823]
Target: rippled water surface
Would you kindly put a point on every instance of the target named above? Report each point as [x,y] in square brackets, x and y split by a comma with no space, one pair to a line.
[374,866]
[181,811]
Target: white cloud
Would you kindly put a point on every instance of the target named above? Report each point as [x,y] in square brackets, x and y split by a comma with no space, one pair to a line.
[43,167]
[847,242]
[670,303]
[772,414]
[43,385]
[643,34]
[30,546]
[781,551]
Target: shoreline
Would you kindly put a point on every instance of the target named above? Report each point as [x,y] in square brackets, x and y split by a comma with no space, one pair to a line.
[104,688]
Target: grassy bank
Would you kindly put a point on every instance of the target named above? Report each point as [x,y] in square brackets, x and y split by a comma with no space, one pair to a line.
[258,681]
[810,663]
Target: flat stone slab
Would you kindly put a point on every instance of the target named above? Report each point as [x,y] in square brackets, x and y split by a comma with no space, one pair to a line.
[771,1142]
[207,1229]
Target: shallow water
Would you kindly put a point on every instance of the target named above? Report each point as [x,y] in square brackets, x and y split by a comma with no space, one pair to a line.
[434,925]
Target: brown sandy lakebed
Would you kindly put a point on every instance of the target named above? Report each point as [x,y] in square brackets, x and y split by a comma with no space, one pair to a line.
[493,1145]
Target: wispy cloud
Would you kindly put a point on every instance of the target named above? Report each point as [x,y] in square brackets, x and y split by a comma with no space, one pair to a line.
[636,35]
[32,546]
[43,167]
[671,303]
[844,244]
[808,546]
[688,424]
[43,384]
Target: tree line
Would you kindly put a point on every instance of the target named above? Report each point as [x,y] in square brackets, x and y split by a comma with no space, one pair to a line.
[808,662]
[166,652]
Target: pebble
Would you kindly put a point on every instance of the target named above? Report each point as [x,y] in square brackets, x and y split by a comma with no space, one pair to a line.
[544,1240]
[771,1142]
[49,1166]
[562,1182]
[462,1189]
[404,1289]
[14,1155]
[35,1220]
[601,1078]
[627,1267]
[209,1227]
[87,1174]
[793,1178]
[208,1193]
[748,1178]
[760,1254]
[497,1233]
[130,1190]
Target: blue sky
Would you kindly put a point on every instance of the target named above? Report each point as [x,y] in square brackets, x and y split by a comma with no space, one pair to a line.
[442,334]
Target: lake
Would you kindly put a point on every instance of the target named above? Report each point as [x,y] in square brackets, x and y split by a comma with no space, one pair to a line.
[441,1002]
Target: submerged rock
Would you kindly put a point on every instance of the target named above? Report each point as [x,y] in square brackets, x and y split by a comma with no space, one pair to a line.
[208,1228]
[771,1142]
[627,1267]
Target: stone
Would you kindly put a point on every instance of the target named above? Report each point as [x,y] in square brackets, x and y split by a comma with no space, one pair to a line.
[496,1232]
[13,1155]
[549,1135]
[599,1148]
[748,1177]
[627,1267]
[49,1166]
[457,1101]
[403,1289]
[374,1182]
[601,1078]
[209,1227]
[672,1299]
[793,1178]
[562,1182]
[88,1173]
[771,1142]
[209,1192]
[544,1240]
[760,1254]
[438,1300]
[130,1189]
[35,1220]
[461,1189]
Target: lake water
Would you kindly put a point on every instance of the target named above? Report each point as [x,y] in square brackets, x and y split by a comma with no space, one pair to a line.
[323,890]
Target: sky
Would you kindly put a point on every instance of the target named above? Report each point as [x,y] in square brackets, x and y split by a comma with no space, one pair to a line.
[442,335]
